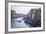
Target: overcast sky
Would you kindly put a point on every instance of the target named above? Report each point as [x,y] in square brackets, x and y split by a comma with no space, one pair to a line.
[22,9]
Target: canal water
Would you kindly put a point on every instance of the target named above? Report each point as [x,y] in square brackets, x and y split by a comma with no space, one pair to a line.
[18,23]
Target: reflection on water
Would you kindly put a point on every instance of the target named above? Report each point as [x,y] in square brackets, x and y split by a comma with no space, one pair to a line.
[18,23]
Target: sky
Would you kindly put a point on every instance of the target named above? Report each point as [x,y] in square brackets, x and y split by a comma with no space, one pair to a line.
[22,9]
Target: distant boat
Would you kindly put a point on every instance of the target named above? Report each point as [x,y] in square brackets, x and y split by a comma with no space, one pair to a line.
[18,20]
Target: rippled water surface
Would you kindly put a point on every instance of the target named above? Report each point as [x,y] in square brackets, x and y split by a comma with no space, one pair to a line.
[18,23]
